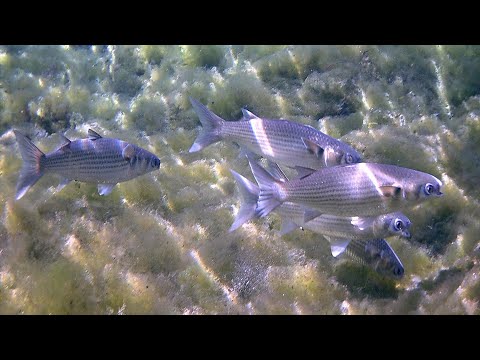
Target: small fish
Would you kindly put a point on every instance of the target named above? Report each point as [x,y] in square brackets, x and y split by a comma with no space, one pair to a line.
[337,229]
[377,254]
[287,142]
[99,160]
[347,190]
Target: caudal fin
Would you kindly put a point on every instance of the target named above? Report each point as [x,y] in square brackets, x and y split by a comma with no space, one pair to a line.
[211,126]
[267,200]
[32,169]
[249,193]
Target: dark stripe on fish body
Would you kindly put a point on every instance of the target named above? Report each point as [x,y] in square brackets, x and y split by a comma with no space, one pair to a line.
[281,140]
[87,160]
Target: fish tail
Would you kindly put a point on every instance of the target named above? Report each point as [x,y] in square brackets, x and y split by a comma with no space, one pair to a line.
[211,124]
[32,169]
[268,198]
[249,193]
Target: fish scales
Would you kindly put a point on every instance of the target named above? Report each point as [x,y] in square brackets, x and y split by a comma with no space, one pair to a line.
[278,140]
[351,190]
[345,227]
[91,160]
[99,160]
[292,214]
[377,254]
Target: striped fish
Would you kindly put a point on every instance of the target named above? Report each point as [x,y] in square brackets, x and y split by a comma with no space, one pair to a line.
[337,229]
[99,160]
[347,190]
[289,143]
[353,236]
[378,255]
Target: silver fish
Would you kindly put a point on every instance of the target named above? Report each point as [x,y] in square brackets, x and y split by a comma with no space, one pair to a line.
[287,142]
[99,160]
[347,190]
[377,254]
[337,229]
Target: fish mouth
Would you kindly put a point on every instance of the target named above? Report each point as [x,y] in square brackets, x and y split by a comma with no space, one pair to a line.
[406,234]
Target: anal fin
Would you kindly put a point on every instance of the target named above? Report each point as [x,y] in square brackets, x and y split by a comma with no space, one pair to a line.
[288,226]
[105,189]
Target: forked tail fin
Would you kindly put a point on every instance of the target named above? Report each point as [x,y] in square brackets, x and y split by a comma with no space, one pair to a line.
[211,126]
[32,169]
[249,193]
[267,199]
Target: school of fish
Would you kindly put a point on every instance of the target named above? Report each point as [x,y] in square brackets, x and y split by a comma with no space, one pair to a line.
[353,204]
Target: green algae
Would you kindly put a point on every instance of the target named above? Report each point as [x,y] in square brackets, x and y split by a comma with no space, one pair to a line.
[160,243]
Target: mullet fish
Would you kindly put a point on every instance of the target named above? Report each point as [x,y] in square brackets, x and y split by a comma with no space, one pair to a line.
[377,254]
[287,142]
[338,230]
[347,190]
[99,160]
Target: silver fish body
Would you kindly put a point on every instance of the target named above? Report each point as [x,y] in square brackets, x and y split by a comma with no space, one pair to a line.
[99,160]
[292,214]
[348,190]
[283,141]
[377,254]
[354,237]
[354,228]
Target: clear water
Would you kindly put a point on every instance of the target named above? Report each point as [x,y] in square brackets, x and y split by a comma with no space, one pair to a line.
[159,244]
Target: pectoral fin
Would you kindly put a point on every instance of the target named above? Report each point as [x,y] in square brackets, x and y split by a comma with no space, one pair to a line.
[129,152]
[361,223]
[313,147]
[391,191]
[105,189]
[330,157]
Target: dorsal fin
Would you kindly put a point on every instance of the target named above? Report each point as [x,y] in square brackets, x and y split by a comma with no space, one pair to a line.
[248,115]
[303,172]
[92,135]
[65,143]
[275,171]
[65,140]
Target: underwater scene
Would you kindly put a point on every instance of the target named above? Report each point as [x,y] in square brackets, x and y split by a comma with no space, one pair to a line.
[239,179]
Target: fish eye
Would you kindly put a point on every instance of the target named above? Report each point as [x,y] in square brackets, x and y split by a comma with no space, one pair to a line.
[399,225]
[348,159]
[428,189]
[398,271]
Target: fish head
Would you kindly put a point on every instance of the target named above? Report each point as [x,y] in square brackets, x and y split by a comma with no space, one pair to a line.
[345,156]
[422,186]
[384,260]
[141,161]
[397,224]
